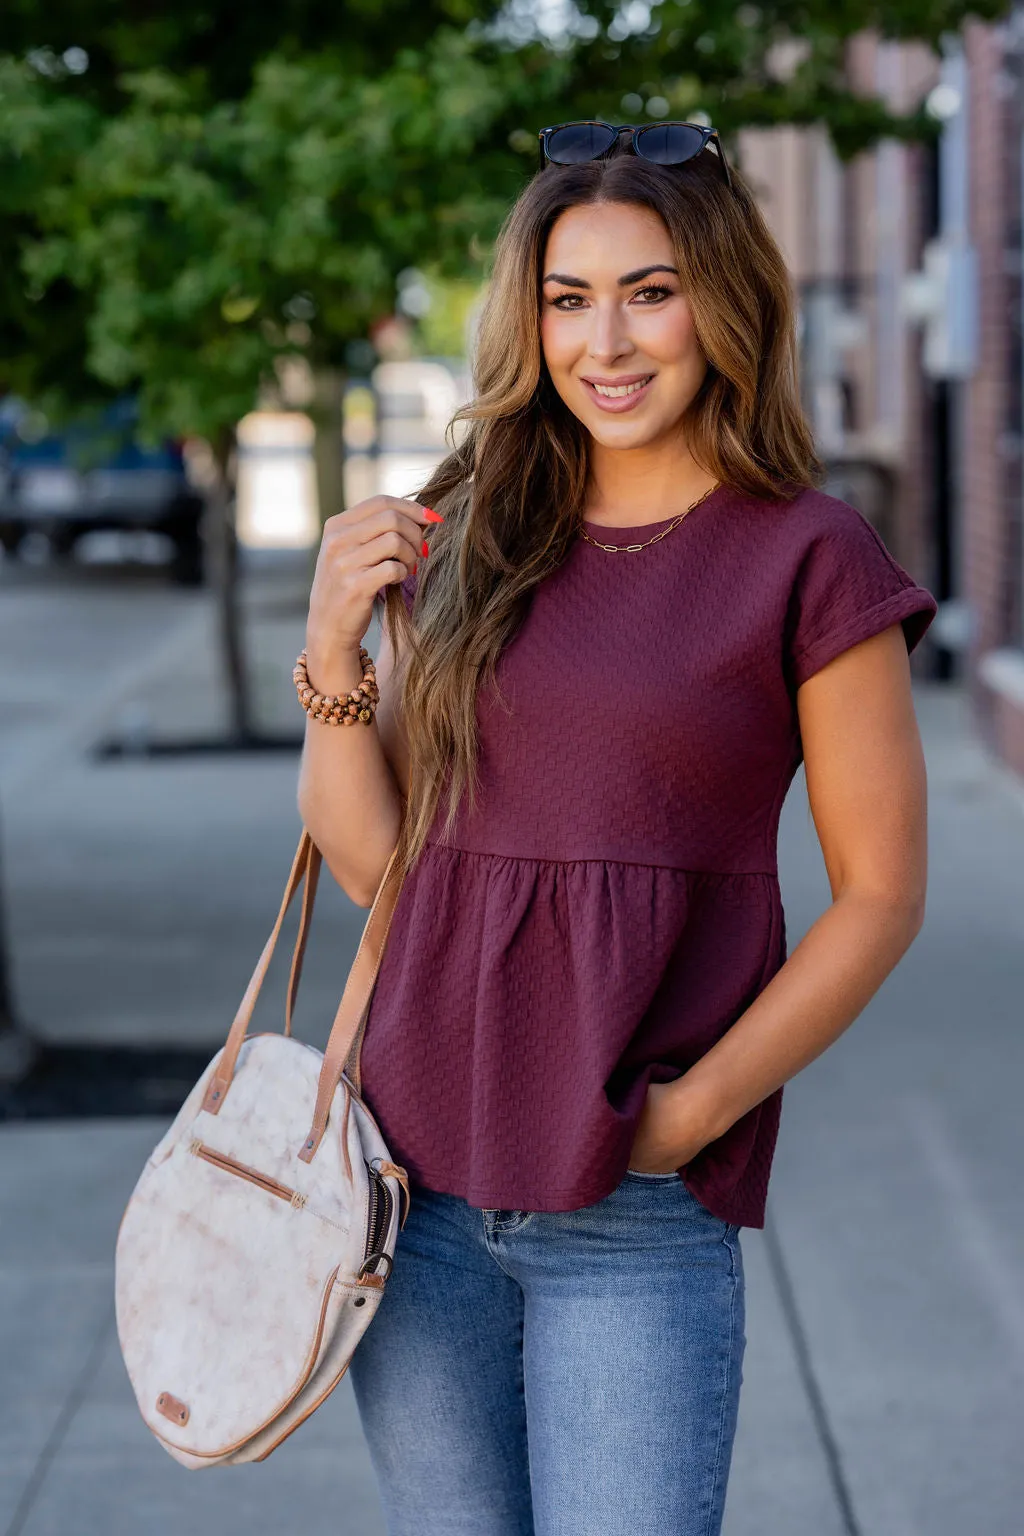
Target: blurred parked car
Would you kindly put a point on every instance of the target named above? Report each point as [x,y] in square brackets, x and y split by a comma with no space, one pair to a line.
[95,475]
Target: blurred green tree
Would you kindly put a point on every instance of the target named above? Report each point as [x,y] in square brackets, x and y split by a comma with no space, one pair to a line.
[210,245]
[191,194]
[188,190]
[191,197]
[217,46]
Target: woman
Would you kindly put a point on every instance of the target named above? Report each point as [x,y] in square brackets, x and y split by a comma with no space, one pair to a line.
[638,615]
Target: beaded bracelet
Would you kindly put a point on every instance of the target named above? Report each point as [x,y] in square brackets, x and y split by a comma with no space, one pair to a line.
[339,709]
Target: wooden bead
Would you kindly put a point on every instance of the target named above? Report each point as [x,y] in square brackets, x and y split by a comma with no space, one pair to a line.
[357,705]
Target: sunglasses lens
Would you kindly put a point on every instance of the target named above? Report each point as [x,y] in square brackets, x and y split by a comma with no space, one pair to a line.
[577,142]
[669,143]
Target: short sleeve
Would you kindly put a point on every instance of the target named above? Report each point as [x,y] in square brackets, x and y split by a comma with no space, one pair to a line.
[848,587]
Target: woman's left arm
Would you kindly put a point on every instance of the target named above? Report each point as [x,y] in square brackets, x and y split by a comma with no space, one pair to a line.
[866,783]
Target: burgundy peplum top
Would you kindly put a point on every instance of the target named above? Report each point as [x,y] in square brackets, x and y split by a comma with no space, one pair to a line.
[613,906]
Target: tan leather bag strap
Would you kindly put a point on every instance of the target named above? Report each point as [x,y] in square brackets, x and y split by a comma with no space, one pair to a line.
[314,861]
[305,868]
[346,1037]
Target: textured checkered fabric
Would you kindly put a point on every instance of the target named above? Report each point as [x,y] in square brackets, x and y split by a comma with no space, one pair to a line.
[613,906]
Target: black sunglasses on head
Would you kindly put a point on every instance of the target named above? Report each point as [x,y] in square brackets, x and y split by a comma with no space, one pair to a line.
[662,143]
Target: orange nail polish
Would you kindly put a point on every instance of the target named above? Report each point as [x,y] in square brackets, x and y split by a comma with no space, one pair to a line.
[432,516]
[424,551]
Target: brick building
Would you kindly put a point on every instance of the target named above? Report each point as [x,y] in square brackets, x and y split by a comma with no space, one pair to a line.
[908,264]
[993,483]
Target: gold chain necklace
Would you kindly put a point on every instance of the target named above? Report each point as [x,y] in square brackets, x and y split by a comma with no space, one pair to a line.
[615,549]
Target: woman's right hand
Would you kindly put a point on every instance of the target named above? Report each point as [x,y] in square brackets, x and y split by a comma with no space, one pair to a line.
[366,547]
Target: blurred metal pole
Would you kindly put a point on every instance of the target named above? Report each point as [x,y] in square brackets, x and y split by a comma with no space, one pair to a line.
[957,356]
[18,1050]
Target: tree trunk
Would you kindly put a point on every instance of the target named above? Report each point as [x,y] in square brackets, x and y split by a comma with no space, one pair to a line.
[328,444]
[224,548]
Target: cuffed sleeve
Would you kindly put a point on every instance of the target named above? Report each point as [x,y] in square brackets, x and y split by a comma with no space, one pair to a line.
[848,587]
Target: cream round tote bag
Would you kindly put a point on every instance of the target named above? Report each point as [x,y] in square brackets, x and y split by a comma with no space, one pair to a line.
[257,1243]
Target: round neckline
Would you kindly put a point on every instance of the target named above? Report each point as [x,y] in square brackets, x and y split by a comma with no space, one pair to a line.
[613,533]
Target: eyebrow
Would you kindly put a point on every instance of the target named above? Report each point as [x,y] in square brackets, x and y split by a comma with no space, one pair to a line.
[624,281]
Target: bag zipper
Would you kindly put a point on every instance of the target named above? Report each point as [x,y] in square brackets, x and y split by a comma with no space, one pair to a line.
[378,1223]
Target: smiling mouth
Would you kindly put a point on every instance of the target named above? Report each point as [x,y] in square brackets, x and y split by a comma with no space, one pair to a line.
[620,391]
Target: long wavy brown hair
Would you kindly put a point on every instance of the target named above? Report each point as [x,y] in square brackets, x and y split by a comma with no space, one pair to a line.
[513,491]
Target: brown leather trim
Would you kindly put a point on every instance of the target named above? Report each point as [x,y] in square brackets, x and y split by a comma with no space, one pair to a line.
[172,1408]
[243,1171]
[262,1181]
[307,1371]
[305,1415]
[215,1091]
[388,1169]
[344,1136]
[325,1394]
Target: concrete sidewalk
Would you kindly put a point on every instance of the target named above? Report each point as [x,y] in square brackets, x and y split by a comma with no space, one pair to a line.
[77,1460]
[885,1361]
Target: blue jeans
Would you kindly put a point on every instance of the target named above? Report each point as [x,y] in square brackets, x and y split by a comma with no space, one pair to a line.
[570,1374]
